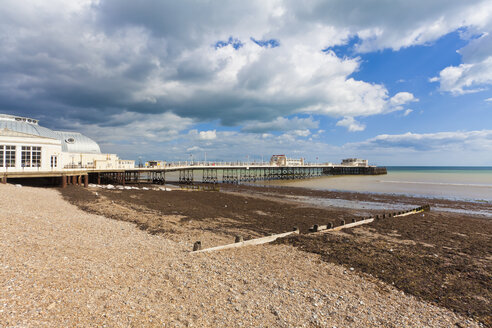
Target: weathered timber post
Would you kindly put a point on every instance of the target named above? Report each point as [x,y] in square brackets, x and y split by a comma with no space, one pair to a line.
[4,178]
[197,246]
[74,179]
[86,180]
[98,178]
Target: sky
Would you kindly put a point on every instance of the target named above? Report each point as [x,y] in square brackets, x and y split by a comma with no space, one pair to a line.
[395,82]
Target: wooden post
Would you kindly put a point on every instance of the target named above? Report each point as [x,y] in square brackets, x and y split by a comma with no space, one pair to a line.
[4,178]
[98,178]
[86,180]
[74,179]
[197,246]
[64,181]
[79,180]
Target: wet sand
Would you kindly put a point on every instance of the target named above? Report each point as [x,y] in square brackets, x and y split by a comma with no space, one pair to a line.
[440,257]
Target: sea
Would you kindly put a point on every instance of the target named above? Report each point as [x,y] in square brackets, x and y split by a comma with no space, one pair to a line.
[468,183]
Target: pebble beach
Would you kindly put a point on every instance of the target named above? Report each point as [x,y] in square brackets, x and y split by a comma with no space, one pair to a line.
[62,266]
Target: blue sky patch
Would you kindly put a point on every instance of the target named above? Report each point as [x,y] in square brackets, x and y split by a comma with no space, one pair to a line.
[272,43]
[236,43]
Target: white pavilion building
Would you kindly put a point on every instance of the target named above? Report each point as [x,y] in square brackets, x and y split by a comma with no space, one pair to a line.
[25,146]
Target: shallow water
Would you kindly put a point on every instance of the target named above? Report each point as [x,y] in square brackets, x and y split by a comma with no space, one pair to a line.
[448,183]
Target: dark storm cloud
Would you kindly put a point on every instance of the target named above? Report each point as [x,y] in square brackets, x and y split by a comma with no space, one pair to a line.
[90,62]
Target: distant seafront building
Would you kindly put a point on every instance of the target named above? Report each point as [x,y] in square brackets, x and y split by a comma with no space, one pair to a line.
[355,162]
[26,146]
[282,160]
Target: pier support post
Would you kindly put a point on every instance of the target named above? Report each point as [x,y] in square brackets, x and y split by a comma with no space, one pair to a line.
[64,181]
[98,178]
[4,178]
[74,179]
[86,180]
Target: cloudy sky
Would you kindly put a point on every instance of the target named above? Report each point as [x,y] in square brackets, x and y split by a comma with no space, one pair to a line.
[397,82]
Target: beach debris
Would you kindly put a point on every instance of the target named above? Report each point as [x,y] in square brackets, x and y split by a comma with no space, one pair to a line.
[18,186]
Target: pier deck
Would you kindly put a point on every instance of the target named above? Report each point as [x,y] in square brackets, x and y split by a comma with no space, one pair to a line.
[190,173]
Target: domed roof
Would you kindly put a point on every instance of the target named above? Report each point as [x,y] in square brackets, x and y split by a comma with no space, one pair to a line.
[72,142]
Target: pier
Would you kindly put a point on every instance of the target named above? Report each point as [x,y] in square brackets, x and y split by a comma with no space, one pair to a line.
[190,173]
[230,173]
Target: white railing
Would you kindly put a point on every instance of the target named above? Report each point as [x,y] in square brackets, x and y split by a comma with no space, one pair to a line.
[231,164]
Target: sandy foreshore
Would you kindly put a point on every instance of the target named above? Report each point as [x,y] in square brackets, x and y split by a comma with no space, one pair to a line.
[127,264]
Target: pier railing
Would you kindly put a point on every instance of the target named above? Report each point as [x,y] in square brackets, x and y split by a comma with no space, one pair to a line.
[233,164]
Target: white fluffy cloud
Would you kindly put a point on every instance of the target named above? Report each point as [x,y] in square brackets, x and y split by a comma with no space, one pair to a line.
[443,141]
[351,124]
[208,135]
[465,78]
[281,124]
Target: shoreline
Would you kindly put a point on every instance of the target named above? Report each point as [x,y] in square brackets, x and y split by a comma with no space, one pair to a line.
[122,257]
[482,208]
[417,254]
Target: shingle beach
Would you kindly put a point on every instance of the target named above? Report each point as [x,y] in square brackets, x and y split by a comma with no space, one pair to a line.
[63,267]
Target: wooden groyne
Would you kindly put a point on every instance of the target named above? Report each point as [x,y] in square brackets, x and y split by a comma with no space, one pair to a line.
[321,228]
